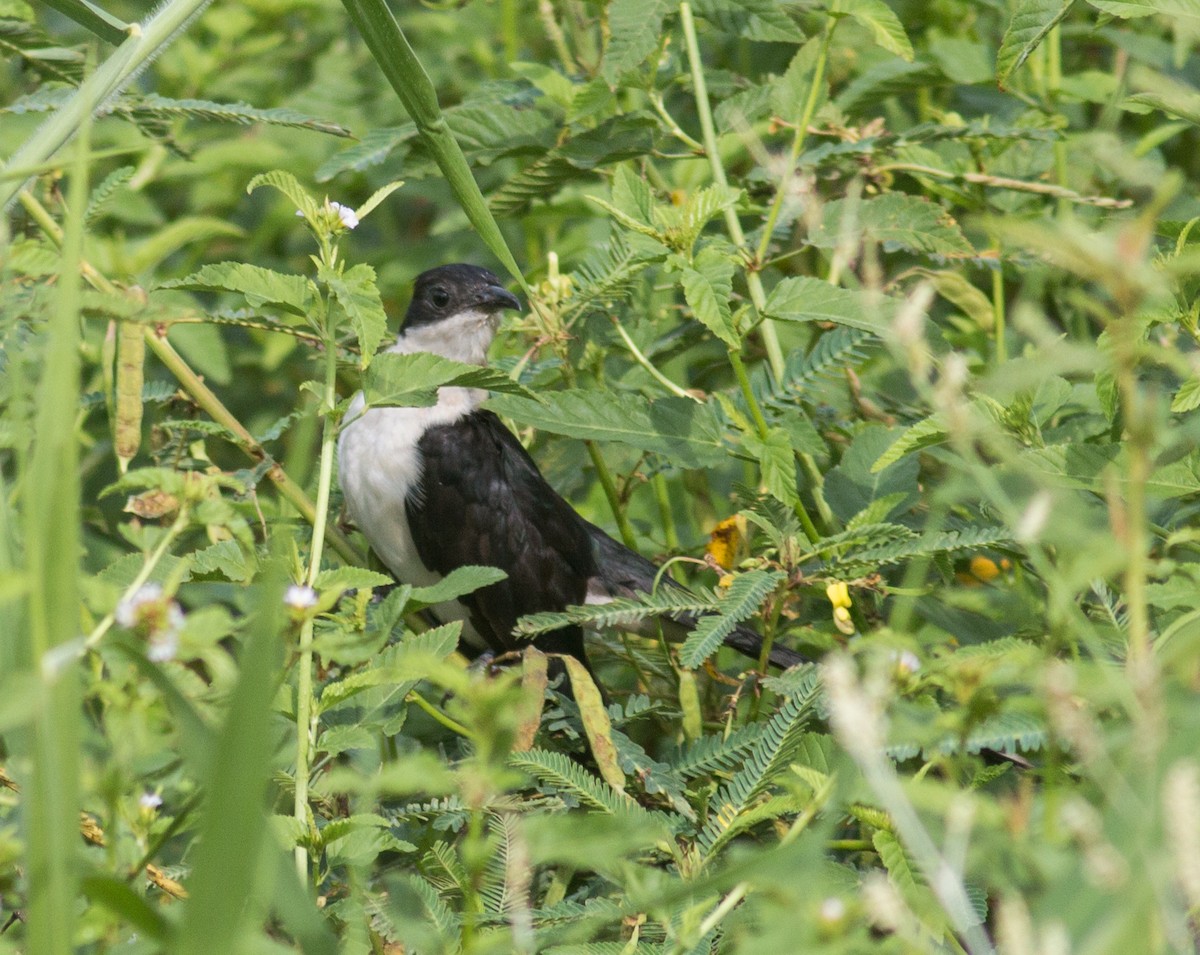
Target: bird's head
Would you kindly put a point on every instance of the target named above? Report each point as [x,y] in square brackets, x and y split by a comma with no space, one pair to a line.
[454,312]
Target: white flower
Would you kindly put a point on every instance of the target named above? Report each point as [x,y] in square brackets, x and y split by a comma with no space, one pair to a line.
[163,646]
[345,213]
[132,610]
[154,616]
[833,909]
[906,661]
[149,800]
[300,597]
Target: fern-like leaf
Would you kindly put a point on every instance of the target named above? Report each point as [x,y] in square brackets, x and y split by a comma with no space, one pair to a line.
[781,738]
[239,113]
[923,434]
[843,347]
[743,599]
[569,778]
[717,754]
[620,612]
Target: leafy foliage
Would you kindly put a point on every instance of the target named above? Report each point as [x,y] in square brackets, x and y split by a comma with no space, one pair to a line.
[878,315]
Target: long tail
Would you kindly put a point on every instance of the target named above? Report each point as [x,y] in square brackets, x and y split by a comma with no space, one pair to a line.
[624,573]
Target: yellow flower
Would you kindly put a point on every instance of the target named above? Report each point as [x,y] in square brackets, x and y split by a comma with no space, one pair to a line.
[838,594]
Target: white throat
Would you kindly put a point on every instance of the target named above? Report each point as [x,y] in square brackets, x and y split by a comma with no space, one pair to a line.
[466,337]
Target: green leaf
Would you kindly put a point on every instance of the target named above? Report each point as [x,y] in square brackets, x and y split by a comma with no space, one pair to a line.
[687,433]
[356,293]
[94,18]
[742,600]
[399,668]
[376,198]
[1031,22]
[624,612]
[634,28]
[413,380]
[118,897]
[631,195]
[775,748]
[614,140]
[350,578]
[923,434]
[290,187]
[239,113]
[1187,398]
[460,581]
[765,20]
[1183,9]
[259,286]
[777,461]
[807,299]
[567,776]
[227,558]
[896,221]
[1162,92]
[883,23]
[708,288]
[914,891]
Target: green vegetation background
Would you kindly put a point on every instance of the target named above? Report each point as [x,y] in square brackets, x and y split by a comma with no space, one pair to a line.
[905,289]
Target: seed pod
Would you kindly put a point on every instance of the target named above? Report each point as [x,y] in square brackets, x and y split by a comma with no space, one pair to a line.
[131,357]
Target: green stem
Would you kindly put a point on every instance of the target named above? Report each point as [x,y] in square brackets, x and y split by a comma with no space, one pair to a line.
[451,724]
[610,492]
[998,329]
[760,425]
[199,392]
[732,224]
[743,380]
[144,41]
[143,575]
[642,360]
[304,680]
[666,515]
[810,106]
[1137,543]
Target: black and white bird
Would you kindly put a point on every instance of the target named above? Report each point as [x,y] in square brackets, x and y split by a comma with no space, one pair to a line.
[441,487]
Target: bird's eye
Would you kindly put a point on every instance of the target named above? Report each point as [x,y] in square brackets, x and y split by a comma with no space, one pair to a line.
[439,296]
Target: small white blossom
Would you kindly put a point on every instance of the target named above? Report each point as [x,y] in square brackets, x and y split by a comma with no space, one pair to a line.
[300,597]
[833,909]
[149,800]
[906,661]
[345,213]
[163,646]
[132,609]
[154,616]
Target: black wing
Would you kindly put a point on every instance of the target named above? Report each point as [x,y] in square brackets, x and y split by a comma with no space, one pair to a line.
[482,500]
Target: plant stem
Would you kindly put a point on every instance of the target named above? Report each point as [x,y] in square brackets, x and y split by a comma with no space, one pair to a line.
[144,42]
[160,550]
[743,380]
[610,492]
[193,384]
[451,724]
[732,224]
[810,106]
[998,326]
[304,681]
[642,360]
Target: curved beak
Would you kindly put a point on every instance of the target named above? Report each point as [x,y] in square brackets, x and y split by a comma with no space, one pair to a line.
[496,297]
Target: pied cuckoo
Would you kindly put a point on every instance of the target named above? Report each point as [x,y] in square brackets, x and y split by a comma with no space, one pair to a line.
[438,488]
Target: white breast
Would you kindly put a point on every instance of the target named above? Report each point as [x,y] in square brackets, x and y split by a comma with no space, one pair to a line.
[379,466]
